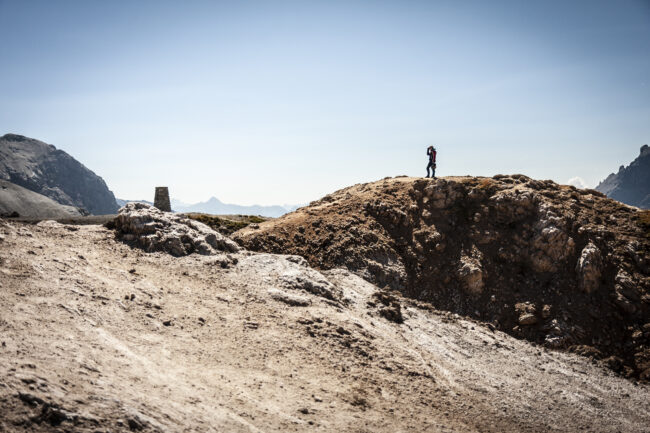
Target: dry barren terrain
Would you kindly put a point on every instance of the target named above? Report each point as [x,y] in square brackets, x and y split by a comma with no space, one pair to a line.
[565,268]
[97,335]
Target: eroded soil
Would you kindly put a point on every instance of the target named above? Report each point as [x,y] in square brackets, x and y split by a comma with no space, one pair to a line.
[565,268]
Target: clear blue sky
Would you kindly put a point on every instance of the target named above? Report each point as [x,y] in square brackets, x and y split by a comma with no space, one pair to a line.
[277,102]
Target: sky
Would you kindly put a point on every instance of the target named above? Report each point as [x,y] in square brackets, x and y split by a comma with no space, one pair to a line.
[282,102]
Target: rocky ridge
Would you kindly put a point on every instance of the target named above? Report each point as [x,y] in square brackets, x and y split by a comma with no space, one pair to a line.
[631,184]
[49,171]
[562,267]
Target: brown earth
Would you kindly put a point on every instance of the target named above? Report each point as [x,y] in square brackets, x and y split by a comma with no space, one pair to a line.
[97,335]
[558,266]
[225,224]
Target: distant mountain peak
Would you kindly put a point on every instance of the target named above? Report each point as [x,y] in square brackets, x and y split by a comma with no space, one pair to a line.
[217,207]
[631,184]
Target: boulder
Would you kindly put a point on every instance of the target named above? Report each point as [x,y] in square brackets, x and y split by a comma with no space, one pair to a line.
[154,230]
[527,319]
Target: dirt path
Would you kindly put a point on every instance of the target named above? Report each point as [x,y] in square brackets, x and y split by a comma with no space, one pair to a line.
[96,336]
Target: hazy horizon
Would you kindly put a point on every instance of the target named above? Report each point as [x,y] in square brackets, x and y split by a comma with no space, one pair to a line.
[283,102]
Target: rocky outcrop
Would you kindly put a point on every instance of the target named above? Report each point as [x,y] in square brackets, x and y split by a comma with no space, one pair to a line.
[589,268]
[471,274]
[550,263]
[19,202]
[154,230]
[631,184]
[49,171]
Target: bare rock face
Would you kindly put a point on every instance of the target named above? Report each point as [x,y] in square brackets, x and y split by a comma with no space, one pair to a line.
[471,273]
[154,230]
[589,267]
[21,202]
[551,245]
[49,171]
[480,246]
[631,184]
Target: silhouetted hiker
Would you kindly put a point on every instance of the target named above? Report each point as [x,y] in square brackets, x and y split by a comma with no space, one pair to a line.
[431,151]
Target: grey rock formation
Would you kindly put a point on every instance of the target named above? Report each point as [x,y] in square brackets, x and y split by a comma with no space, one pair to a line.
[21,202]
[631,185]
[49,171]
[589,267]
[154,230]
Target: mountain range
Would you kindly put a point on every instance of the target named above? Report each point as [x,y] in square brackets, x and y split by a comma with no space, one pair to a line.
[215,206]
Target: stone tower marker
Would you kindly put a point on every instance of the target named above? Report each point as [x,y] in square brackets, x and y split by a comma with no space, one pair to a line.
[161,199]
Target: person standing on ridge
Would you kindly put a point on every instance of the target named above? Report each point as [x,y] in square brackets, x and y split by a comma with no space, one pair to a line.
[431,151]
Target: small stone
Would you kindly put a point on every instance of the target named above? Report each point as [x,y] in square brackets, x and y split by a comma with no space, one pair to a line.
[342,331]
[134,424]
[289,298]
[527,319]
[167,323]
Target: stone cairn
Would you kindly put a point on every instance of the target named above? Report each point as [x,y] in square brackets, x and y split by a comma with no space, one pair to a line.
[161,199]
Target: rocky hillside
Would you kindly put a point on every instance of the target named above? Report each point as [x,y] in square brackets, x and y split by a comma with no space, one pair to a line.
[19,202]
[49,171]
[562,267]
[631,185]
[104,330]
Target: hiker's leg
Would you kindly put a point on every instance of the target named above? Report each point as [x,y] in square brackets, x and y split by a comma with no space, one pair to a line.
[428,166]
